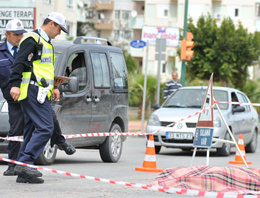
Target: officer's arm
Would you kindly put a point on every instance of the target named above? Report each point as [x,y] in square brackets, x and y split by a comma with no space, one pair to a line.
[23,61]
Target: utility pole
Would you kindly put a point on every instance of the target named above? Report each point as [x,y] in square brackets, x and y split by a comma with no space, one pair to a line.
[183,66]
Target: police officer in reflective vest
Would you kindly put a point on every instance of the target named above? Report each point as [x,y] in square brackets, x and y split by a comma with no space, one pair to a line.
[32,82]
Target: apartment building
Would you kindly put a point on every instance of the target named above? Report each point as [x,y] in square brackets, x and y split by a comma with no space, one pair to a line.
[168,15]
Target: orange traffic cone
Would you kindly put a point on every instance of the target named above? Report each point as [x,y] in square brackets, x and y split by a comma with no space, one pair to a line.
[238,158]
[149,164]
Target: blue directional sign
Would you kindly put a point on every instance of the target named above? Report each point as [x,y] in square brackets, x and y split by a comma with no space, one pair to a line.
[138,43]
[203,137]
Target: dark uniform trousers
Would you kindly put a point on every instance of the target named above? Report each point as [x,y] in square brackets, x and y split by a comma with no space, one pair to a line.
[38,127]
[16,121]
[57,137]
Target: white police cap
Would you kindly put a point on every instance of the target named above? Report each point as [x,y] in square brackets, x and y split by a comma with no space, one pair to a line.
[15,26]
[59,19]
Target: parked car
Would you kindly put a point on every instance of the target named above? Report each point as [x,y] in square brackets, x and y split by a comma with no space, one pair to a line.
[187,101]
[94,100]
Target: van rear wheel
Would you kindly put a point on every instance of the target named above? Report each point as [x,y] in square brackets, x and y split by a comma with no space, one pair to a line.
[48,155]
[111,149]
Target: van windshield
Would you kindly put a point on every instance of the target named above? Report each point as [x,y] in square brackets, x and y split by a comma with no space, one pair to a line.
[193,98]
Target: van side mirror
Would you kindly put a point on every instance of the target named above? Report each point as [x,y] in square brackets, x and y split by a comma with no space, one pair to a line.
[71,86]
[237,108]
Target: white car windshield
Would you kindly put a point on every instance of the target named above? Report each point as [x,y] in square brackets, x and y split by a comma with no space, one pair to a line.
[193,98]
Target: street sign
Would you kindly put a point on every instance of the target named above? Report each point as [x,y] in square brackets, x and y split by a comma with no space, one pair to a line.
[203,137]
[159,56]
[160,45]
[138,44]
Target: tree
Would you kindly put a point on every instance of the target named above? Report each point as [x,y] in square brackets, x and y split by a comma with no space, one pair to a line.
[226,50]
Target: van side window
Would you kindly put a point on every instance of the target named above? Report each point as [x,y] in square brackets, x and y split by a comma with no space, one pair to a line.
[76,67]
[119,71]
[100,69]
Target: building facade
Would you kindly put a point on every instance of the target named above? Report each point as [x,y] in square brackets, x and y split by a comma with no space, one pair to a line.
[33,12]
[122,21]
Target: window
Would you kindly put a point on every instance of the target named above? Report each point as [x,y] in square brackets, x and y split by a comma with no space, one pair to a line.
[257,11]
[100,69]
[119,71]
[236,12]
[70,4]
[128,34]
[99,33]
[117,14]
[125,14]
[162,11]
[163,67]
[76,67]
[47,1]
[243,98]
[116,34]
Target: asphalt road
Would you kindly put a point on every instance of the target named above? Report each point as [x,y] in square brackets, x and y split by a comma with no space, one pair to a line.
[88,162]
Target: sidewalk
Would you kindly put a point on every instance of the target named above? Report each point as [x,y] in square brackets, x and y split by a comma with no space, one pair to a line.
[135,126]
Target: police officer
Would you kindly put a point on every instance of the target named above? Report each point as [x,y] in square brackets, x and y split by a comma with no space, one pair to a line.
[8,51]
[32,82]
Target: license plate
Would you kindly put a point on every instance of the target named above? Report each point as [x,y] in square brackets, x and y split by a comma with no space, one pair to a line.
[179,136]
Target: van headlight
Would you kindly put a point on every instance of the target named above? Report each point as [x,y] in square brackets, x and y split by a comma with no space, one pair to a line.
[4,107]
[217,121]
[154,120]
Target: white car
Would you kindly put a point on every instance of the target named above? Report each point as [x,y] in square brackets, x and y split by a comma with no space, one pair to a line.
[187,101]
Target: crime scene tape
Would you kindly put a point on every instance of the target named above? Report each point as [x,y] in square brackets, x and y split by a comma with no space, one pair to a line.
[136,185]
[103,134]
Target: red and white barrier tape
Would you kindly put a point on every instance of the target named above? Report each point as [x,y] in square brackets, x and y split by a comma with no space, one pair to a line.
[239,103]
[136,185]
[103,134]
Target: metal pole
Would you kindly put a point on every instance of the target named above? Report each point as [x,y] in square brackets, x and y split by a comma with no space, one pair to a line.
[183,66]
[145,83]
[159,74]
[230,133]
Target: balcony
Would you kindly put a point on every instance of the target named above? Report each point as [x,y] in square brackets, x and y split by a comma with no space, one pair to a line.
[104,25]
[136,22]
[105,5]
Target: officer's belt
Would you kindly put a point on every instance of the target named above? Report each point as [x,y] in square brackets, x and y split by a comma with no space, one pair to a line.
[32,82]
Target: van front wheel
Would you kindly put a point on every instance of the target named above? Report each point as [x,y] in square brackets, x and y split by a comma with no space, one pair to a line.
[110,150]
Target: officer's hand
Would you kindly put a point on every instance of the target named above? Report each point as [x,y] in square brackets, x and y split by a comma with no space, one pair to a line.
[15,93]
[56,94]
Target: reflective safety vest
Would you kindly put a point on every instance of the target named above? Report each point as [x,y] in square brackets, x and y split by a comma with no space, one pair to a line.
[43,67]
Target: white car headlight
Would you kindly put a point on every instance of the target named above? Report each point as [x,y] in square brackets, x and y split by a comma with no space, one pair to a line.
[4,107]
[217,121]
[154,120]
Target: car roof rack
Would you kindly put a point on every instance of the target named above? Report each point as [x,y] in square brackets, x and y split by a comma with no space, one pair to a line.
[96,40]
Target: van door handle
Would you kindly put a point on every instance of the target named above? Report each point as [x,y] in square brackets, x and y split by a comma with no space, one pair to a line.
[96,99]
[88,99]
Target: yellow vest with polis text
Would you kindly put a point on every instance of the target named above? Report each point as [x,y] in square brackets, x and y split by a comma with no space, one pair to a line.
[42,68]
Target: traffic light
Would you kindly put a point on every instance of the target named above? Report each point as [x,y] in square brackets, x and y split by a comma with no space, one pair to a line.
[186,46]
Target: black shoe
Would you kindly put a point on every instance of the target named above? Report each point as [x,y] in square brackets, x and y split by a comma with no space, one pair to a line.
[10,171]
[29,179]
[68,148]
[27,170]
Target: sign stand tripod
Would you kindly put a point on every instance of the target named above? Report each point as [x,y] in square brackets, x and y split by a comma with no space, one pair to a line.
[205,126]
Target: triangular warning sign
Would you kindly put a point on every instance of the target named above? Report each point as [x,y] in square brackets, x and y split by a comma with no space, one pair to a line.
[204,129]
[206,117]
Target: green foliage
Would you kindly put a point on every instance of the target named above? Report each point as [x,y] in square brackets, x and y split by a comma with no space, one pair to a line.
[136,88]
[131,64]
[226,51]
